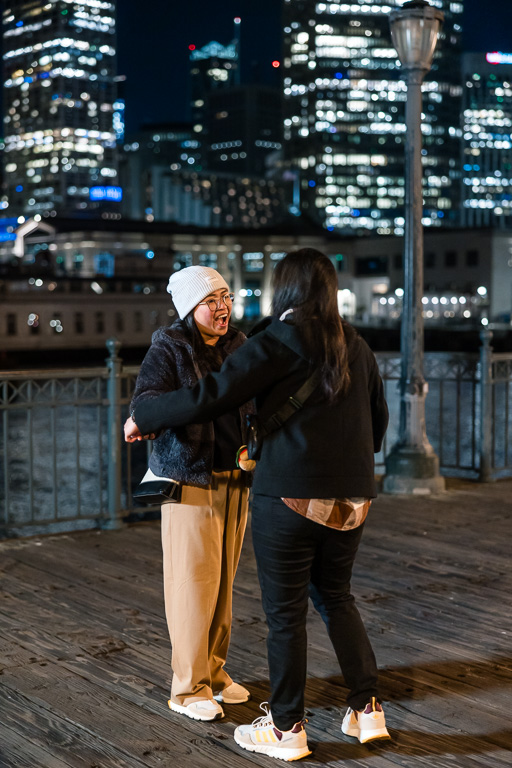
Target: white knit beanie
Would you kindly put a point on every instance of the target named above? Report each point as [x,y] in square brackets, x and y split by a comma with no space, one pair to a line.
[191,285]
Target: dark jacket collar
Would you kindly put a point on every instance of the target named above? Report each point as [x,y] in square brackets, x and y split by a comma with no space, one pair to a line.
[179,335]
[289,335]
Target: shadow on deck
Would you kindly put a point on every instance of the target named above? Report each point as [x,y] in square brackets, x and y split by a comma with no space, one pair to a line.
[84,653]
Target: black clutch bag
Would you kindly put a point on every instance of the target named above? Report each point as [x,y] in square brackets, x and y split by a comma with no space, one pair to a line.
[157,490]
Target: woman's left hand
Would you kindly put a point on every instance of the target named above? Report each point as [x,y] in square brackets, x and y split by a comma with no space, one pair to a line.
[132,432]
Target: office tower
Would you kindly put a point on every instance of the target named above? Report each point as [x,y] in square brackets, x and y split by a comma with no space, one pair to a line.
[149,155]
[61,114]
[344,127]
[487,126]
[212,68]
[244,129]
[220,200]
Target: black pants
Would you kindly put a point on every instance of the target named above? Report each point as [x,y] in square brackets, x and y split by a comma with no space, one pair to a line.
[296,559]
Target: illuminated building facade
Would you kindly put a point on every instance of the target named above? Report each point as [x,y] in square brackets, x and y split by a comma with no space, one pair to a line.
[244,129]
[487,124]
[61,114]
[212,68]
[221,200]
[344,120]
[146,157]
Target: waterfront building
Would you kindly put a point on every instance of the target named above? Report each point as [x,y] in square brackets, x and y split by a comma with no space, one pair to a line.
[344,125]
[76,283]
[61,114]
[487,127]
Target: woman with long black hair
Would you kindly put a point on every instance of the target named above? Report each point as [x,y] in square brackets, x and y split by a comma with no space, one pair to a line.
[313,487]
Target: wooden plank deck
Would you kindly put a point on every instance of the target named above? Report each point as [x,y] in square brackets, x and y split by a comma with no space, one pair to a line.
[84,653]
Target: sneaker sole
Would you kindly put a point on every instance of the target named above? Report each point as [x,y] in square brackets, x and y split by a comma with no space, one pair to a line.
[223,700]
[193,715]
[366,736]
[281,753]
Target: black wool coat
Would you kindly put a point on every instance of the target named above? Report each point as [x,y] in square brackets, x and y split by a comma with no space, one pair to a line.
[322,451]
[185,451]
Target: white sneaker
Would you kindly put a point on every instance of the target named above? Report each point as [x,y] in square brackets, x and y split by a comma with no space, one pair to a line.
[366,725]
[203,709]
[233,694]
[263,736]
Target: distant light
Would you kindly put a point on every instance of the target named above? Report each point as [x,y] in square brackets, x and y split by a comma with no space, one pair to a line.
[399,292]
[482,290]
[39,282]
[192,47]
[338,76]
[276,64]
[37,217]
[106,193]
[237,20]
[150,254]
[498,58]
[484,321]
[311,183]
[19,188]
[96,287]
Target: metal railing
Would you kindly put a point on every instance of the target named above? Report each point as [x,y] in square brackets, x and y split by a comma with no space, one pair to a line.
[64,465]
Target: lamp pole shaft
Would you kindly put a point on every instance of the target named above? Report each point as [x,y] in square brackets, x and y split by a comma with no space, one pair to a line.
[412,412]
[412,466]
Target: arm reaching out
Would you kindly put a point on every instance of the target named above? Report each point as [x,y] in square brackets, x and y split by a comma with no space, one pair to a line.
[132,432]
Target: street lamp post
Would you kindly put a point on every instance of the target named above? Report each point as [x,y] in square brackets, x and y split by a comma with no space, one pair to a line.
[412,466]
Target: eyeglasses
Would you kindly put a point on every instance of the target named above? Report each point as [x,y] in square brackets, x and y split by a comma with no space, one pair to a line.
[214,304]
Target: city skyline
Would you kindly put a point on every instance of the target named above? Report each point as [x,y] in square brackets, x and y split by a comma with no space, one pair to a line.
[485,27]
[342,94]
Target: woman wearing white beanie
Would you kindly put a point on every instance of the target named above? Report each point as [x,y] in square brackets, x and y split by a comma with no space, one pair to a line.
[202,535]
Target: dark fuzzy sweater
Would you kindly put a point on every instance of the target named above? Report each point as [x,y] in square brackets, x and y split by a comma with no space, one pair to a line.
[322,451]
[184,453]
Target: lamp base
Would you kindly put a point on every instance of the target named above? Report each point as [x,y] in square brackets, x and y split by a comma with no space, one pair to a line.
[410,471]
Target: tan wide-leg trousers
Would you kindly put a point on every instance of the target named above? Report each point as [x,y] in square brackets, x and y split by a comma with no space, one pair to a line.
[202,539]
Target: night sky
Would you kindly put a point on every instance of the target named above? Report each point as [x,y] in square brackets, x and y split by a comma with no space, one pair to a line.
[153,40]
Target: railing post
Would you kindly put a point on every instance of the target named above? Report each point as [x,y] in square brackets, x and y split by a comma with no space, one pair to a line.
[114,365]
[485,437]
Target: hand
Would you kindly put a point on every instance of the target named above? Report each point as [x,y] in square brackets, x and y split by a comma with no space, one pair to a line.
[132,433]
[243,460]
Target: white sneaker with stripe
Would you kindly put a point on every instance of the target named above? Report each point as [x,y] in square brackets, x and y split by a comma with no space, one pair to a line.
[367,724]
[263,736]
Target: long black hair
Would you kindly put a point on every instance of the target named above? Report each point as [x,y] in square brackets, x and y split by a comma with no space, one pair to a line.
[209,356]
[305,281]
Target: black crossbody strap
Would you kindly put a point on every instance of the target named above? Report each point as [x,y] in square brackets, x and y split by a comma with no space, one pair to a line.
[294,403]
